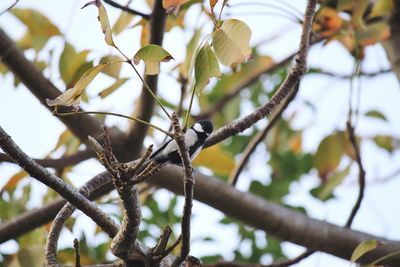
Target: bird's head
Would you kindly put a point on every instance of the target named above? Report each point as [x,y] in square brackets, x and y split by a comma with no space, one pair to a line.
[203,126]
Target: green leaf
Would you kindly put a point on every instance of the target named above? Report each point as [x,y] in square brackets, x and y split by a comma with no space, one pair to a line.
[241,78]
[329,154]
[112,88]
[231,42]
[363,248]
[31,256]
[152,55]
[333,181]
[112,70]
[385,141]
[376,114]
[205,67]
[70,64]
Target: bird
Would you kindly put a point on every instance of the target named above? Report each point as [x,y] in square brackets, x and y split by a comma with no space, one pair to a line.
[195,138]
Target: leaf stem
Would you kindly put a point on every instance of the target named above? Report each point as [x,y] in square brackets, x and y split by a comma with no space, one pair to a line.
[190,108]
[117,115]
[129,61]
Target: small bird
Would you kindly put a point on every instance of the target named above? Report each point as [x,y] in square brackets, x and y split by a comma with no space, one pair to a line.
[195,137]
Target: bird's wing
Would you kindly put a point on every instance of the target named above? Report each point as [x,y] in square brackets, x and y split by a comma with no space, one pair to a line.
[161,148]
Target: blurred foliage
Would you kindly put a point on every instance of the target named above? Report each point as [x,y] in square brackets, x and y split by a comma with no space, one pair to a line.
[242,85]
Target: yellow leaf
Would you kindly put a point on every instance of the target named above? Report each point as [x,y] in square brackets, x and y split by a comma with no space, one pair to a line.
[114,69]
[37,23]
[70,63]
[72,96]
[381,8]
[112,88]
[363,248]
[359,7]
[329,154]
[215,159]
[13,181]
[122,22]
[231,42]
[172,6]
[104,22]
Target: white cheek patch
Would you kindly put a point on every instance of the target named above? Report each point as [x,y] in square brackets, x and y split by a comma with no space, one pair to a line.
[198,128]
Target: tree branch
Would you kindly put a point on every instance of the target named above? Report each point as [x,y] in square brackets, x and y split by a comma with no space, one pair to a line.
[65,190]
[127,9]
[254,211]
[361,174]
[233,178]
[188,188]
[293,77]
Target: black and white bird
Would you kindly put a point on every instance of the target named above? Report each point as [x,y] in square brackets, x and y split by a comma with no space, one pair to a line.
[195,137]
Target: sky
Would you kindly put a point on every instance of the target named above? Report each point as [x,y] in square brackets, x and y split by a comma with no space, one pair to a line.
[21,113]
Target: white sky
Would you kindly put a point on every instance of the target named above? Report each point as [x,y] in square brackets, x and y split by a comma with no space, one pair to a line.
[21,113]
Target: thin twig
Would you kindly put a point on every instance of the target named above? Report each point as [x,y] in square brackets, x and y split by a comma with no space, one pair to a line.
[233,178]
[10,7]
[361,174]
[77,253]
[346,76]
[117,115]
[188,185]
[127,9]
[65,190]
[296,72]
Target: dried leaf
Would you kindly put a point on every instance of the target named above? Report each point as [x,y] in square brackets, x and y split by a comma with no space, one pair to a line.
[72,96]
[104,22]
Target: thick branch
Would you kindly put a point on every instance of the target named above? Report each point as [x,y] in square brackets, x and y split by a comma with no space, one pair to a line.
[285,224]
[65,190]
[259,137]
